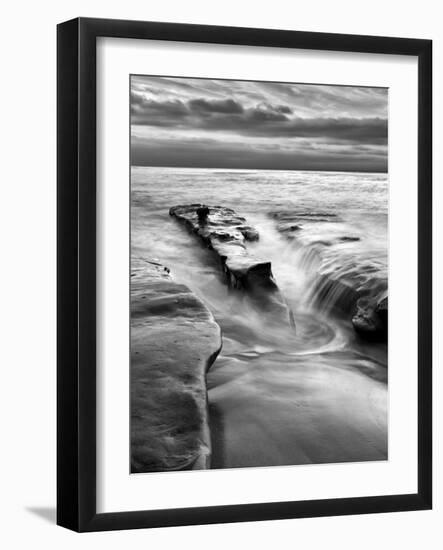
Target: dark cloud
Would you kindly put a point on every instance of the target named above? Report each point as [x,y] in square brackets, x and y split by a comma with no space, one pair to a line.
[266,113]
[284,109]
[226,106]
[262,120]
[151,112]
[367,130]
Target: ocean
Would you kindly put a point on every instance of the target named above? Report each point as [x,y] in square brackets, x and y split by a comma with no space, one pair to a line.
[278,397]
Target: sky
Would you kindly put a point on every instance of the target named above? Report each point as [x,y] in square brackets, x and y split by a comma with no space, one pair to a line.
[206,123]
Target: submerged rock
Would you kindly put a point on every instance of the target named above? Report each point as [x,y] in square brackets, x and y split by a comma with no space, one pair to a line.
[293,220]
[174,340]
[225,232]
[289,222]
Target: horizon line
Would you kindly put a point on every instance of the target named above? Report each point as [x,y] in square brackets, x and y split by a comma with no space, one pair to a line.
[261,169]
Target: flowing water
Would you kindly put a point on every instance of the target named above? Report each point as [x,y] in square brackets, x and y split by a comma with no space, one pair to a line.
[278,396]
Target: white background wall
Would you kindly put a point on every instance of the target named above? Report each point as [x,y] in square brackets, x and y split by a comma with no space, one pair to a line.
[27,289]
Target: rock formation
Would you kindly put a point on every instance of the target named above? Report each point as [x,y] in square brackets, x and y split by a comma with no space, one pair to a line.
[174,340]
[371,319]
[225,232]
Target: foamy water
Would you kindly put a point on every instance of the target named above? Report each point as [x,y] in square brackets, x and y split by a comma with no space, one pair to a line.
[277,396]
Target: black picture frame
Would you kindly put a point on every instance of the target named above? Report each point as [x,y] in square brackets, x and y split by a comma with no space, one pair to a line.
[76,280]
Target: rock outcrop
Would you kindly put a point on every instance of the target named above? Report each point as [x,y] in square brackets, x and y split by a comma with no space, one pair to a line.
[225,232]
[174,340]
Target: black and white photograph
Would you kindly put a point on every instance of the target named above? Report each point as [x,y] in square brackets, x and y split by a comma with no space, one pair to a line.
[259,273]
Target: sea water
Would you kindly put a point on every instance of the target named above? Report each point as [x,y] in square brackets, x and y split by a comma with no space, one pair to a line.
[277,396]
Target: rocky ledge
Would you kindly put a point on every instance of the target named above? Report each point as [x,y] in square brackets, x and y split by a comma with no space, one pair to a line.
[174,340]
[225,232]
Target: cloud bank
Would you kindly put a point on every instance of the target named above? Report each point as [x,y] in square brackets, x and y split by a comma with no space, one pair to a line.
[238,124]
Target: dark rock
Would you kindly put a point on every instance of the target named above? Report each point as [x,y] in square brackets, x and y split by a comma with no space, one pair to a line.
[249,233]
[288,227]
[346,239]
[382,310]
[174,340]
[202,214]
[371,319]
[336,241]
[225,232]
